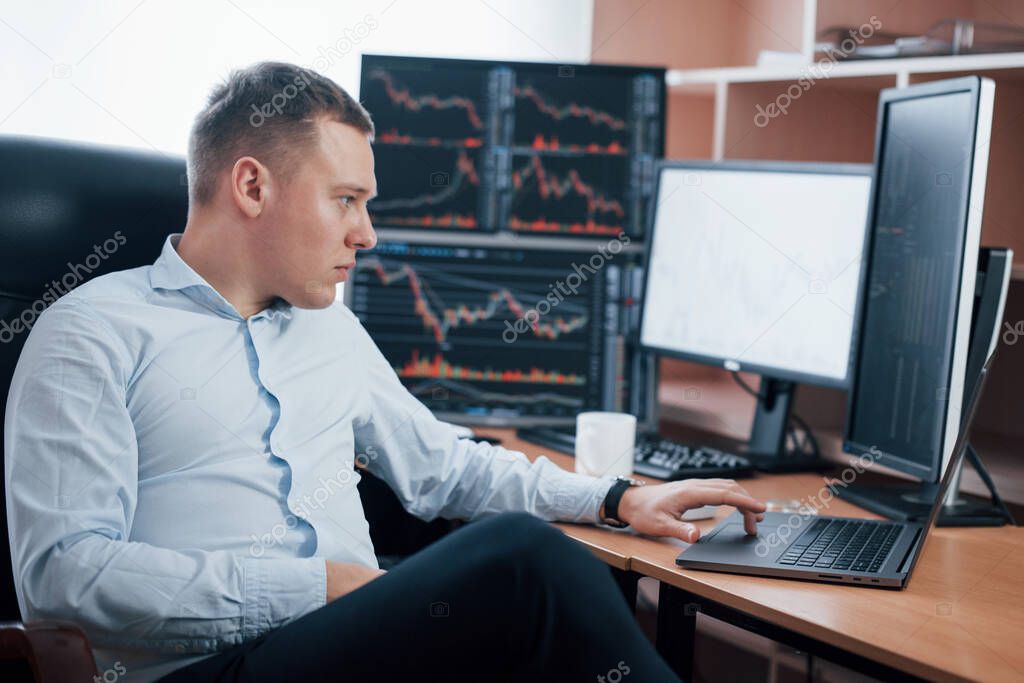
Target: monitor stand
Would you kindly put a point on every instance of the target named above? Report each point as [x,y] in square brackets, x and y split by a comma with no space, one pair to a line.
[912,501]
[959,511]
[901,501]
[767,446]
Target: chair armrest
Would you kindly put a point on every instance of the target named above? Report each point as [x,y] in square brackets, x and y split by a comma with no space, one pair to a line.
[55,651]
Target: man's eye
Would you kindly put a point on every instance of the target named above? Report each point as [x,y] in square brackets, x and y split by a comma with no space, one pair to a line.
[347,200]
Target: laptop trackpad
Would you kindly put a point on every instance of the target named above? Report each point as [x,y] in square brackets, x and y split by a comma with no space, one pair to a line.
[732,543]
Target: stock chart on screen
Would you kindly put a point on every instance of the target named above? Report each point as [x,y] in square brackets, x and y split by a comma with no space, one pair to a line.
[529,148]
[498,333]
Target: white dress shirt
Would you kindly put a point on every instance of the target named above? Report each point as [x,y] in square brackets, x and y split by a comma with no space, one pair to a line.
[177,474]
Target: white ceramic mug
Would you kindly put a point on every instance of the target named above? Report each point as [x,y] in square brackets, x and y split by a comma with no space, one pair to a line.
[604,443]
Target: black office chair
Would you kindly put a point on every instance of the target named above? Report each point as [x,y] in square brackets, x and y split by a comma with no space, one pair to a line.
[58,201]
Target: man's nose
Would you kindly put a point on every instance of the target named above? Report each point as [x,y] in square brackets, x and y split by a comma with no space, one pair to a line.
[364,237]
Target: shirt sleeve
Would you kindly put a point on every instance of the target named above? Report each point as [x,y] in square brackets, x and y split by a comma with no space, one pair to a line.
[71,473]
[436,474]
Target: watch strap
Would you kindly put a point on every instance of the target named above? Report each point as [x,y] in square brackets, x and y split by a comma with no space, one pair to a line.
[611,502]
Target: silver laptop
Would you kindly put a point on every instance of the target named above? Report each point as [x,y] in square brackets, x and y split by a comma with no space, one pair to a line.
[861,552]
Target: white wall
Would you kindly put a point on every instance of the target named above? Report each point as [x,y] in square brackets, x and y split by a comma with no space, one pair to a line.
[133,73]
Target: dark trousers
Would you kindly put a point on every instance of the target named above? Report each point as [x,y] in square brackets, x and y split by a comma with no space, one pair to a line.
[508,598]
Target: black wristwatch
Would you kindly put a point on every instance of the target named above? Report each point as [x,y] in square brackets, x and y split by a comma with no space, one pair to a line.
[609,512]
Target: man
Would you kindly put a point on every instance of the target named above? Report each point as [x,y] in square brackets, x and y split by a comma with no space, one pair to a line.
[181,441]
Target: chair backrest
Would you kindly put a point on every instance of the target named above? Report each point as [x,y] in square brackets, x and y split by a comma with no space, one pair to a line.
[61,207]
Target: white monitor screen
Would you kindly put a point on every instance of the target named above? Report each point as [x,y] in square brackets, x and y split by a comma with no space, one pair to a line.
[757,269]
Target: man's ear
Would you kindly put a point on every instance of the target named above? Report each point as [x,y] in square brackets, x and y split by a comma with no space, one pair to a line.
[250,186]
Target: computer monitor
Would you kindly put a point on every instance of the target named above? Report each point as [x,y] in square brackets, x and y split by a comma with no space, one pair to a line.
[914,329]
[503,335]
[526,148]
[755,266]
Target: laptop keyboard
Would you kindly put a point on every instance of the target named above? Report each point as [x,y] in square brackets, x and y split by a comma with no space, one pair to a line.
[843,544]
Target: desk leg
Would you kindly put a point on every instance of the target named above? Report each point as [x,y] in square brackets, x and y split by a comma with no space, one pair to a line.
[628,582]
[677,629]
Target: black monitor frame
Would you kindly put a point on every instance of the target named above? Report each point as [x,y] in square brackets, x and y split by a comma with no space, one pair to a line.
[559,68]
[585,67]
[641,398]
[731,364]
[981,129]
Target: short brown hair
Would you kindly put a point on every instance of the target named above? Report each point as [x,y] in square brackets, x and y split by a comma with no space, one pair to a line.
[269,111]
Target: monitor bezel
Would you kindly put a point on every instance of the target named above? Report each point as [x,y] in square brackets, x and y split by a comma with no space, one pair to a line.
[981,91]
[611,69]
[731,364]
[555,245]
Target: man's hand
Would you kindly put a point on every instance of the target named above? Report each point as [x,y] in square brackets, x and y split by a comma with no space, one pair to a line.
[345,577]
[656,510]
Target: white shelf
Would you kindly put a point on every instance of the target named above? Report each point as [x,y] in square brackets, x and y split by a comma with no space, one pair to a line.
[699,80]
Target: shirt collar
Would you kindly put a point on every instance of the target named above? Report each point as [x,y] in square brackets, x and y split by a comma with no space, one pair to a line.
[170,271]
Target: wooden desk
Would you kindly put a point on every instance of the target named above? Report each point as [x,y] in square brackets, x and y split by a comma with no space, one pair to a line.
[960,618]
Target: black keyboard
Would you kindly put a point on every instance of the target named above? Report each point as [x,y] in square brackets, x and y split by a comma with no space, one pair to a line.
[655,456]
[665,459]
[843,544]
